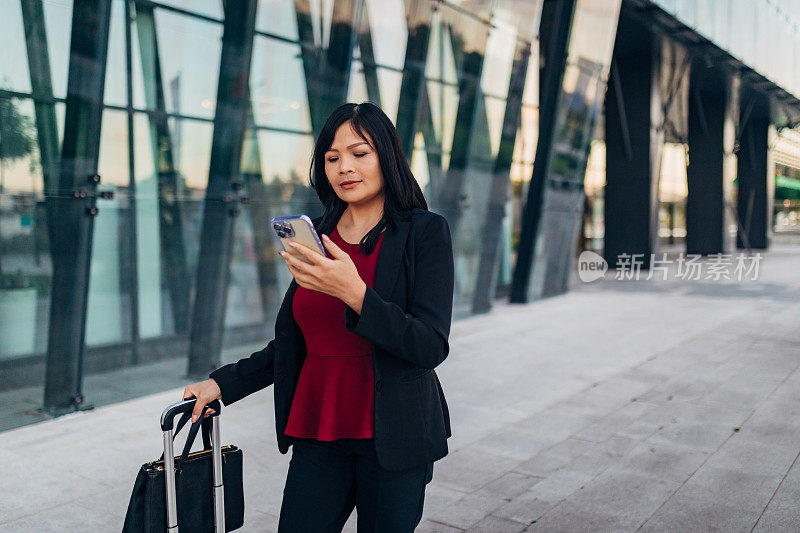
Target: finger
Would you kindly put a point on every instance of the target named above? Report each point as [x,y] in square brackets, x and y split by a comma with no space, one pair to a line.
[294,263]
[198,410]
[306,252]
[332,248]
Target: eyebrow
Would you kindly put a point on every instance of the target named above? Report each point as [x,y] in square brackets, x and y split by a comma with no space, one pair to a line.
[354,144]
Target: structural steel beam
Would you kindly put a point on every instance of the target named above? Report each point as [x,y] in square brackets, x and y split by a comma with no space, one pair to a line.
[72,243]
[216,240]
[554,39]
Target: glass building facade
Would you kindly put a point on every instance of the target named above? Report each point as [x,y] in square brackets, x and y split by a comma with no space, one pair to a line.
[199,118]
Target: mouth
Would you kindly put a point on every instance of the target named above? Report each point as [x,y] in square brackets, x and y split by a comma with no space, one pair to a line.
[349,183]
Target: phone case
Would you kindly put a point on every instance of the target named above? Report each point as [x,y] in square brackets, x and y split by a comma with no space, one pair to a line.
[297,228]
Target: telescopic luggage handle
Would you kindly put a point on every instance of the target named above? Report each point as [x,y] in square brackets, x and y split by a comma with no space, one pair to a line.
[168,429]
[185,406]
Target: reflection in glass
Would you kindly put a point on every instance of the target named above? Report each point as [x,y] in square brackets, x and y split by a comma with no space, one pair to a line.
[104,320]
[188,52]
[277,17]
[13,67]
[278,86]
[387,25]
[209,8]
[58,23]
[115,92]
[148,249]
[243,303]
[25,266]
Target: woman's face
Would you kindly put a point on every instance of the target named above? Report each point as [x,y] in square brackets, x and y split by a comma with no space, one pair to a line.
[353,169]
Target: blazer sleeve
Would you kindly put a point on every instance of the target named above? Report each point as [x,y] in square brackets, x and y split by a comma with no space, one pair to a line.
[421,336]
[247,375]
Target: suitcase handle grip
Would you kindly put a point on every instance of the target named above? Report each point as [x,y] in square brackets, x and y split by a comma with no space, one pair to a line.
[185,406]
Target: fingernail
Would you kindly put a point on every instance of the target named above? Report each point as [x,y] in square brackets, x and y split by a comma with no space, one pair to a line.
[325,237]
[292,244]
[194,418]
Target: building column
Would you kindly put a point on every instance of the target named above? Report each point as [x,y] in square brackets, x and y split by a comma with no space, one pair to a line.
[327,65]
[43,101]
[468,50]
[174,268]
[633,116]
[499,190]
[71,246]
[554,29]
[412,87]
[709,94]
[754,202]
[216,237]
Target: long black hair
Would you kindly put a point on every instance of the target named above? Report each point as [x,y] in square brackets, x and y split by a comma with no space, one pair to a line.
[401,190]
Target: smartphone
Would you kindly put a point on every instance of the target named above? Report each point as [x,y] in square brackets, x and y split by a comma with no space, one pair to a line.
[297,228]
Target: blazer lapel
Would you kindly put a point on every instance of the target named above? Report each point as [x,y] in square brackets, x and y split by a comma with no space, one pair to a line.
[390,257]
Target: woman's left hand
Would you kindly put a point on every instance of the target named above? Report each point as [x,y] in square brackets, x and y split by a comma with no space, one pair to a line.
[337,277]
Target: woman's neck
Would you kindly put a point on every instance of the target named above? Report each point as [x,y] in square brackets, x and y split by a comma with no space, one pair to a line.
[361,218]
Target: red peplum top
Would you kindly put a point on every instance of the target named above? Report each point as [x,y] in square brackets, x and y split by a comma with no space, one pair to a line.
[335,396]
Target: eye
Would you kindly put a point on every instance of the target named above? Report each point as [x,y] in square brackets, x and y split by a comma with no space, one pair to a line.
[332,159]
[360,155]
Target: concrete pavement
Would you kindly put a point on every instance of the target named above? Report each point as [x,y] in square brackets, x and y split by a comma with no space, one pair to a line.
[620,406]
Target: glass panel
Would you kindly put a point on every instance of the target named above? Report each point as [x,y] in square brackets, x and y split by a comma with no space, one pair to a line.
[244,303]
[191,141]
[25,267]
[58,21]
[499,59]
[387,24]
[357,91]
[522,15]
[442,88]
[148,238]
[672,192]
[593,31]
[458,45]
[285,159]
[419,164]
[209,8]
[189,52]
[278,86]
[390,82]
[13,67]
[116,68]
[104,322]
[277,17]
[594,186]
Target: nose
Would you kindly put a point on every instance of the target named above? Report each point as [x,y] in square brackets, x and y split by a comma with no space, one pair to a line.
[346,165]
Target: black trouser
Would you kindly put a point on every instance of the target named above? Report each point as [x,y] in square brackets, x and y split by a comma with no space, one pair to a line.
[327,479]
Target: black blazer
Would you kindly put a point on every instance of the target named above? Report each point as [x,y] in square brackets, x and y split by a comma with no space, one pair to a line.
[407,317]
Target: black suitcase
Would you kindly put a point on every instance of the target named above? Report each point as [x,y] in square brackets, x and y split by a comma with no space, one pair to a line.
[207,480]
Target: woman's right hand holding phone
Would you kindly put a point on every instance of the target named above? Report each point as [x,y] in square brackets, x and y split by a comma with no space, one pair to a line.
[205,392]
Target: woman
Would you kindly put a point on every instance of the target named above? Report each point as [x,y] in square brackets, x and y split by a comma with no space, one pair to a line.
[356,340]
